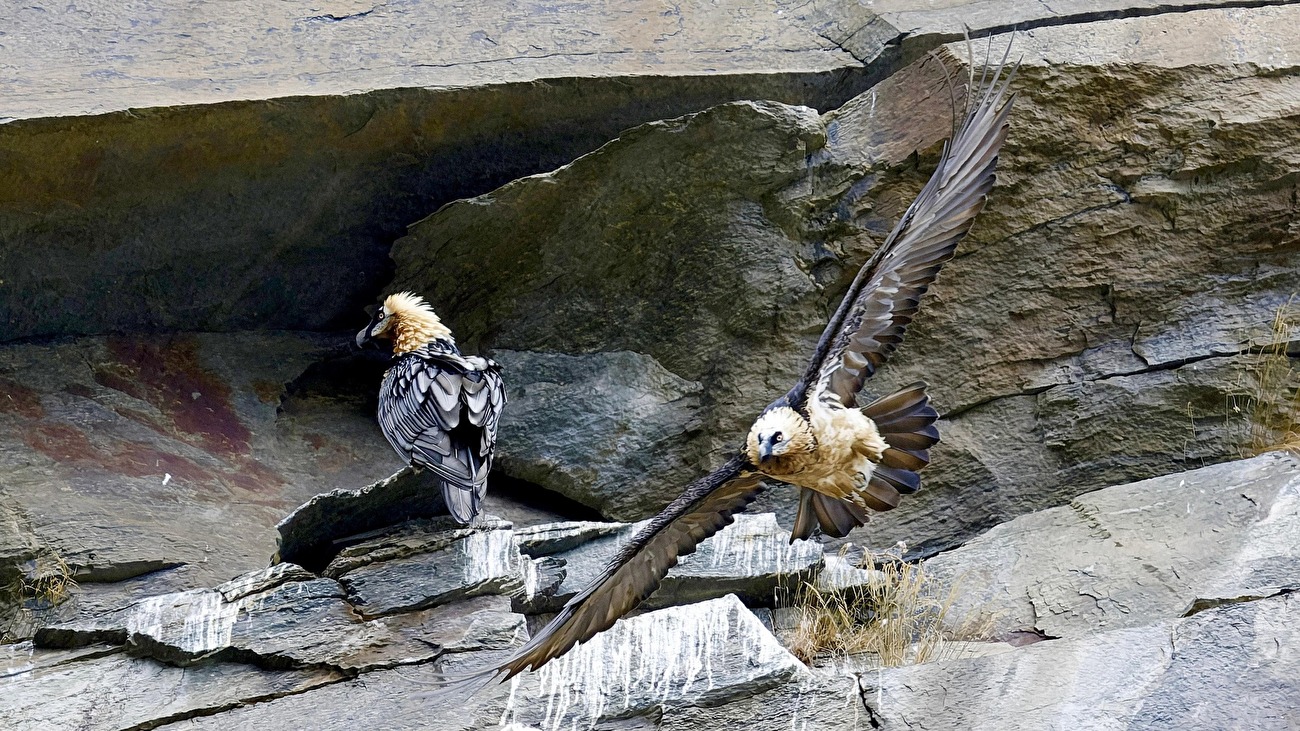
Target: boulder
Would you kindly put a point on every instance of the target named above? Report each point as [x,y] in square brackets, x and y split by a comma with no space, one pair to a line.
[1136,554]
[576,420]
[684,241]
[752,558]
[701,654]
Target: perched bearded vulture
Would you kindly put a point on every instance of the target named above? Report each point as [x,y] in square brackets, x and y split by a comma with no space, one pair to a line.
[439,409]
[845,461]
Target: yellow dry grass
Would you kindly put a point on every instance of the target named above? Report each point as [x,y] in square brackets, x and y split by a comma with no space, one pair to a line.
[1271,387]
[902,617]
[48,584]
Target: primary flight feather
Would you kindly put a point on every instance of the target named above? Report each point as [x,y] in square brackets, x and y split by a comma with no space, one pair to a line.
[438,408]
[845,461]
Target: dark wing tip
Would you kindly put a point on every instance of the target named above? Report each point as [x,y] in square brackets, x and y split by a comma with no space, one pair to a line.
[887,291]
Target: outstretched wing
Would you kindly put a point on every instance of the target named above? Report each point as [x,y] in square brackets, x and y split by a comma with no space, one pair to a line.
[706,506]
[440,412]
[883,298]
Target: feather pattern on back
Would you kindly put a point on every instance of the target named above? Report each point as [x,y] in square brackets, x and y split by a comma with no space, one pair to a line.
[439,410]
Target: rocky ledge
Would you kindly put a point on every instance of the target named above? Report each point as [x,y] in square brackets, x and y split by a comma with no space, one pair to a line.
[183,248]
[1169,596]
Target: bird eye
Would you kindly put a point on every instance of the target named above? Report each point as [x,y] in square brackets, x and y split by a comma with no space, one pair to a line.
[776,437]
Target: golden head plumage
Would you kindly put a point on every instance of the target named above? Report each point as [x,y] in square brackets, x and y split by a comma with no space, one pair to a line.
[779,433]
[408,321]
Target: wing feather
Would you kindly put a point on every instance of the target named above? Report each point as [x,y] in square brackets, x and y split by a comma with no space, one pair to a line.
[706,506]
[886,294]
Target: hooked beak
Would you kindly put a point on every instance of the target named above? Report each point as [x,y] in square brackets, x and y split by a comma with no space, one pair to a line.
[367,334]
[764,451]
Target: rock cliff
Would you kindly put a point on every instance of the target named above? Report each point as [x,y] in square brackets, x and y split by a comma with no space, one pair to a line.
[646,213]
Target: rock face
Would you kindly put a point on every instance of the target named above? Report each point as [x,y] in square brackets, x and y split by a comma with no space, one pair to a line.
[276,633]
[752,559]
[260,185]
[1072,296]
[1112,636]
[1176,674]
[1197,539]
[184,245]
[210,439]
[286,619]
[1155,605]
[733,325]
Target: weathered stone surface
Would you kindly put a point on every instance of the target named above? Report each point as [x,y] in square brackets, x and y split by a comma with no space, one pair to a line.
[117,692]
[884,30]
[702,654]
[259,183]
[752,558]
[312,534]
[1070,297]
[17,658]
[727,190]
[550,538]
[183,429]
[240,51]
[280,620]
[631,408]
[1229,667]
[1136,554]
[426,564]
[1137,226]
[154,464]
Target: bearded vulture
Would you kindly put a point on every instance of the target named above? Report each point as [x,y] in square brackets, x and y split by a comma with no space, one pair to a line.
[844,460]
[439,409]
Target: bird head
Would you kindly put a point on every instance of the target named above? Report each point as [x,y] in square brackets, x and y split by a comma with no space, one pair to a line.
[779,432]
[407,320]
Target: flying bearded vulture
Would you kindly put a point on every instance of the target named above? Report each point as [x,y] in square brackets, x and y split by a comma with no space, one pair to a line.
[439,409]
[845,461]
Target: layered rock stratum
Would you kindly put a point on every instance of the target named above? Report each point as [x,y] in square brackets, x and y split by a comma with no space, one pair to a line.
[646,213]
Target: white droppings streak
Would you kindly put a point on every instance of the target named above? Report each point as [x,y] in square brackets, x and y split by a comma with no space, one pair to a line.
[489,555]
[671,655]
[194,621]
[753,545]
[22,667]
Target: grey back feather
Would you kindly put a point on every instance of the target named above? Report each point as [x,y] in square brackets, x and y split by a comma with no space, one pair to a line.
[439,410]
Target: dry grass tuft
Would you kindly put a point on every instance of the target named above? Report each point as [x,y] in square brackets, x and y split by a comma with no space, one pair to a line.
[47,583]
[1271,384]
[901,617]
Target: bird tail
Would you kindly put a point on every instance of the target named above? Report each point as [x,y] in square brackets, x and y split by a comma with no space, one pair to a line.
[464,502]
[905,419]
[464,477]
